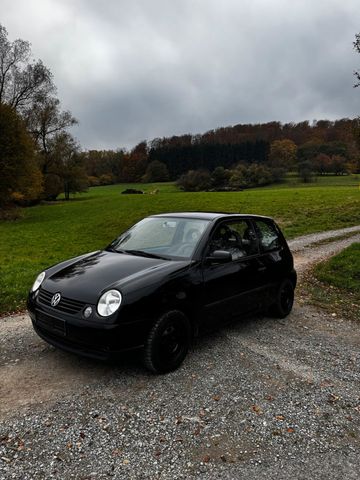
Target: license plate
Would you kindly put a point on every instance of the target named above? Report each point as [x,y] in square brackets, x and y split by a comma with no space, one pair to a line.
[55,325]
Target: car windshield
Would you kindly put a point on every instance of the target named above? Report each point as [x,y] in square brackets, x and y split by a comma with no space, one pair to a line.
[164,237]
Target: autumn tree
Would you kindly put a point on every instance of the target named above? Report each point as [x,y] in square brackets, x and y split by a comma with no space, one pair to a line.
[20,177]
[135,163]
[65,169]
[46,122]
[282,157]
[27,86]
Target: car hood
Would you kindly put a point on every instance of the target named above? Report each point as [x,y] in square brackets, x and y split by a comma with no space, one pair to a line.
[87,277]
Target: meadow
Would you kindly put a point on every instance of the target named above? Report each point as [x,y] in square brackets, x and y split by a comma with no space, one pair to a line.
[49,233]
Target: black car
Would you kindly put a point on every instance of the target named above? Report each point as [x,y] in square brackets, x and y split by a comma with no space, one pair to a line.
[160,281]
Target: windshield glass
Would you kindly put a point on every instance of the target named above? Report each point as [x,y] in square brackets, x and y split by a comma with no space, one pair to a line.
[162,236]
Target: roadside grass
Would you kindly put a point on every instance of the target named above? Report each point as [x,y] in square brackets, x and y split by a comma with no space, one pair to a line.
[335,284]
[49,233]
[328,180]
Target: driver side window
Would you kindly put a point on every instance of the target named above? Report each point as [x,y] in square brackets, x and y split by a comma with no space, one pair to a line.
[236,237]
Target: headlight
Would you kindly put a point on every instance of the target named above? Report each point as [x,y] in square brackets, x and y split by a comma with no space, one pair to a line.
[38,281]
[109,302]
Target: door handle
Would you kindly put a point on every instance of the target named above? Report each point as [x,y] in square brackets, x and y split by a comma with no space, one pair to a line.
[261,269]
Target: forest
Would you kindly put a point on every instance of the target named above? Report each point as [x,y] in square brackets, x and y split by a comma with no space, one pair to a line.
[322,147]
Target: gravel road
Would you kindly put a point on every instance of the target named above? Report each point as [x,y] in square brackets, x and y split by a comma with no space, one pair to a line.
[259,399]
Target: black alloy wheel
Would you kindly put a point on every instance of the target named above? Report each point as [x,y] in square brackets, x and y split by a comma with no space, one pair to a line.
[168,342]
[284,300]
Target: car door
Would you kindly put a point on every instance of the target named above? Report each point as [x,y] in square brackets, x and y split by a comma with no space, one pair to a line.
[231,288]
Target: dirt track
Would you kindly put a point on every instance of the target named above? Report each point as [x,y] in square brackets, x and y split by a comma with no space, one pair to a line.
[299,363]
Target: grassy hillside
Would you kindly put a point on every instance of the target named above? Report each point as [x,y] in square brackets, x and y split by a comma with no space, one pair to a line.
[50,233]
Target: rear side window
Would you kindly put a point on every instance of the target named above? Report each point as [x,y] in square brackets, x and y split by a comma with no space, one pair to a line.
[268,236]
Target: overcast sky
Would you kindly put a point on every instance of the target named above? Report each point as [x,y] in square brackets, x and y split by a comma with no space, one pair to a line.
[139,69]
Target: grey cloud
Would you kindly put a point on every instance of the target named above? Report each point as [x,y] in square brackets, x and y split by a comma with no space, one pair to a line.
[136,70]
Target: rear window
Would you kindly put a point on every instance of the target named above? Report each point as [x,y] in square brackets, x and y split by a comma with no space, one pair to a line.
[268,236]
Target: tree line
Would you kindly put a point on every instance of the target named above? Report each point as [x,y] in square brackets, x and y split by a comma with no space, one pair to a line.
[323,147]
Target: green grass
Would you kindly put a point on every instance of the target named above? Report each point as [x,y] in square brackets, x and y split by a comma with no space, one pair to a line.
[343,270]
[335,284]
[50,233]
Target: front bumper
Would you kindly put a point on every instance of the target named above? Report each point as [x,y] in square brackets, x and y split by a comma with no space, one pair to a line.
[101,341]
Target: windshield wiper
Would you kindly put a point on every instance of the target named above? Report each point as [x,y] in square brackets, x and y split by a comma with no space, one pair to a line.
[144,254]
[115,250]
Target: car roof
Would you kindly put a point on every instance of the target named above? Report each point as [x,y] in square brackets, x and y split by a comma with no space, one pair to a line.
[209,215]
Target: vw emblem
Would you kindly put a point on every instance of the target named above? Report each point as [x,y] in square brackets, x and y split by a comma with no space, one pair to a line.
[55,299]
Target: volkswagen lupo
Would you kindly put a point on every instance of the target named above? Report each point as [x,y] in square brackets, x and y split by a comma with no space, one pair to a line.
[159,282]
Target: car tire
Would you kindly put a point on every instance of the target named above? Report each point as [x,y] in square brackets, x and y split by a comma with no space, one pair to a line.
[284,300]
[167,343]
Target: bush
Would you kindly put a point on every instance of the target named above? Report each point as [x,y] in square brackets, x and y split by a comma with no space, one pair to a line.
[220,178]
[254,175]
[195,181]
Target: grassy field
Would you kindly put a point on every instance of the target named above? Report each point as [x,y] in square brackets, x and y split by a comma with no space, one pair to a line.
[50,233]
[343,270]
[335,284]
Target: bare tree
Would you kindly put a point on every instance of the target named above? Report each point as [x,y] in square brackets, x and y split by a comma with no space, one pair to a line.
[357,48]
[22,80]
[45,119]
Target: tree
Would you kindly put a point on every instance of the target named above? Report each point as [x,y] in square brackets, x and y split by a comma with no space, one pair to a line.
[220,177]
[156,172]
[338,165]
[282,157]
[135,163]
[65,167]
[20,177]
[45,120]
[305,170]
[22,80]
[357,48]
[322,164]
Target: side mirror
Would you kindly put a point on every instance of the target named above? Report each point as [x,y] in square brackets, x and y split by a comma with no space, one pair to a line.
[219,256]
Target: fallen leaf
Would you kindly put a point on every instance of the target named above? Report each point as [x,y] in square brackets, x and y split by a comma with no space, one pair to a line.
[257,409]
[202,413]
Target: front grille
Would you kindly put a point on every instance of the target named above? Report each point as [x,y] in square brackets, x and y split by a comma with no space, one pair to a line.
[66,305]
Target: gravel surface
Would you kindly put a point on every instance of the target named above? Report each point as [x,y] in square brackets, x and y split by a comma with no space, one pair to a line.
[261,398]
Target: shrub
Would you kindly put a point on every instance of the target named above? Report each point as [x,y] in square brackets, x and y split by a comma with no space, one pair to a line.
[195,181]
